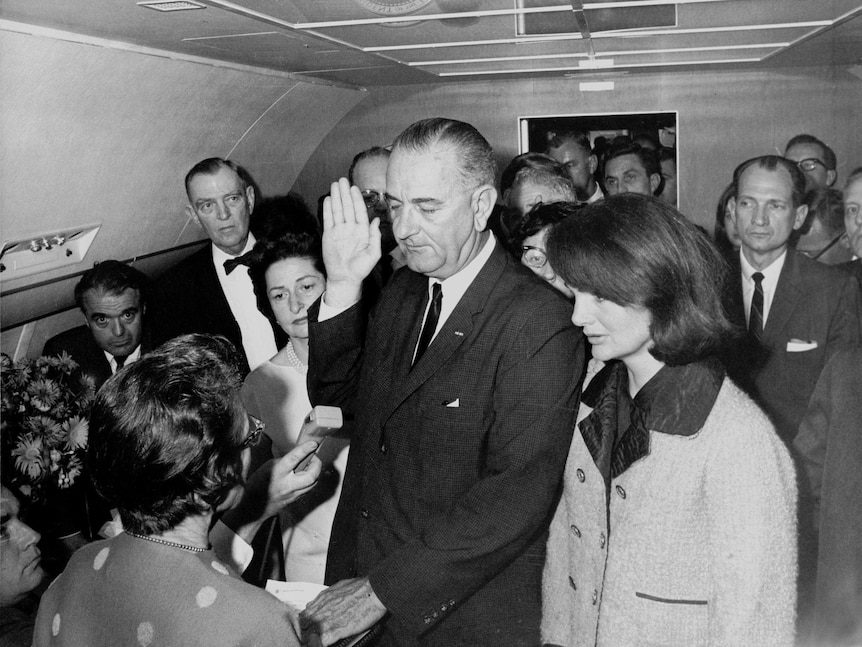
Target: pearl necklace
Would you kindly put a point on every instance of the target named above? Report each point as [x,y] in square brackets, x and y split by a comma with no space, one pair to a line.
[165,542]
[294,360]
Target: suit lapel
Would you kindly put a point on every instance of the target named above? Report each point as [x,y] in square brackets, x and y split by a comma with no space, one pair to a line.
[787,294]
[457,328]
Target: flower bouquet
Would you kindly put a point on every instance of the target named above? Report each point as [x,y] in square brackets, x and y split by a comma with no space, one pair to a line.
[44,423]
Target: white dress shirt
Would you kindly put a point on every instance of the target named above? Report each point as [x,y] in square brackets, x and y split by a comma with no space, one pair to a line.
[770,282]
[258,341]
[453,288]
[135,354]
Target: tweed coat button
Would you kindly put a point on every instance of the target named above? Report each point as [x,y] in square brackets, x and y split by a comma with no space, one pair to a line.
[451,603]
[434,615]
[572,583]
[363,513]
[383,448]
[621,492]
[427,620]
[581,475]
[575,531]
[595,596]
[602,540]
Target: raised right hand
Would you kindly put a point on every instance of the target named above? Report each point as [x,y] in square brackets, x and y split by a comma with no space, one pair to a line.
[351,245]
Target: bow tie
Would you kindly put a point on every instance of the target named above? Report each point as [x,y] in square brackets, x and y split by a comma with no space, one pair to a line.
[231,264]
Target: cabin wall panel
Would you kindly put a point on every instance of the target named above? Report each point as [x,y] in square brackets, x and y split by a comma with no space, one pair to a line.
[96,133]
[724,117]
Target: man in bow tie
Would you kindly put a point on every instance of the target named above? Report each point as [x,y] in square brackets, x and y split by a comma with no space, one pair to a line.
[210,291]
[463,384]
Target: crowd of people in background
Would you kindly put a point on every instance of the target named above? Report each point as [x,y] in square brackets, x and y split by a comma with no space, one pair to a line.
[574,417]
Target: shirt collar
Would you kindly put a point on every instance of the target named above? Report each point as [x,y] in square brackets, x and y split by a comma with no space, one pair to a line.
[770,273]
[131,357]
[456,285]
[220,256]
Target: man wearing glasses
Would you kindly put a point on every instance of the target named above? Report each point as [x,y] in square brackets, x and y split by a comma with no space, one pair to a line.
[368,172]
[814,158]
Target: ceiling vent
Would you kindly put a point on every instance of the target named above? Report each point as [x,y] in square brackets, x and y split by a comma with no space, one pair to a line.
[598,20]
[172,5]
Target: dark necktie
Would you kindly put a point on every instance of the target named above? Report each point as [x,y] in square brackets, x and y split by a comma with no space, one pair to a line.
[755,315]
[120,361]
[431,320]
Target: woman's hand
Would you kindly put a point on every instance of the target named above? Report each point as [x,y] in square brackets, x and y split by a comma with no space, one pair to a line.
[351,245]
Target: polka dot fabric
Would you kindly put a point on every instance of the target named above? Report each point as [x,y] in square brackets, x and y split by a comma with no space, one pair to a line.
[126,591]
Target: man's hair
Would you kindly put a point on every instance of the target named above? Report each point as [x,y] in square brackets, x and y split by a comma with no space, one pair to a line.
[544,214]
[560,186]
[111,277]
[555,140]
[828,154]
[648,158]
[855,175]
[637,250]
[826,206]
[530,160]
[774,163]
[472,154]
[211,166]
[368,153]
[299,243]
[166,433]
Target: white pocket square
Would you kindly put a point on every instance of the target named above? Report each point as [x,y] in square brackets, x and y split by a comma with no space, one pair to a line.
[454,404]
[800,346]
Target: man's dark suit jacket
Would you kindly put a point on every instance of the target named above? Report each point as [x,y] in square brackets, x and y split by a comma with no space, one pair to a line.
[80,345]
[188,299]
[855,268]
[814,312]
[454,464]
[830,448]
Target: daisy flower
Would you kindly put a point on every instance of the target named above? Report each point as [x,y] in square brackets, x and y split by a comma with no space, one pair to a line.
[77,431]
[28,456]
[44,394]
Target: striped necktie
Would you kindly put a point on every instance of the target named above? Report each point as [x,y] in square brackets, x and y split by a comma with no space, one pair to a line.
[755,315]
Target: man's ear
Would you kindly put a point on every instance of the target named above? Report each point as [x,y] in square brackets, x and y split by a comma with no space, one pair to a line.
[593,163]
[482,202]
[192,214]
[831,176]
[654,182]
[249,196]
[801,212]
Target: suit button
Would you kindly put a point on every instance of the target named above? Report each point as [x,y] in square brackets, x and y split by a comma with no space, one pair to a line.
[383,448]
[572,584]
[363,514]
[434,615]
[427,620]
[443,608]
[575,531]
[595,596]
[451,603]
[580,474]
[602,540]
[621,492]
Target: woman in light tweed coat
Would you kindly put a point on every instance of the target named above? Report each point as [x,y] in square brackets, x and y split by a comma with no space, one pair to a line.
[677,520]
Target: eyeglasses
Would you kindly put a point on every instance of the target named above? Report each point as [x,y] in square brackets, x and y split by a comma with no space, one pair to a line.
[373,198]
[534,256]
[810,164]
[253,436]
[815,255]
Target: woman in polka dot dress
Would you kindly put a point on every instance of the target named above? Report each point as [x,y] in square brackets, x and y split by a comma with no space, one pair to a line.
[169,442]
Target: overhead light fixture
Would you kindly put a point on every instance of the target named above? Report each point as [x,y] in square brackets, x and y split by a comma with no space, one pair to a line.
[621,52]
[596,63]
[171,5]
[596,86]
[622,66]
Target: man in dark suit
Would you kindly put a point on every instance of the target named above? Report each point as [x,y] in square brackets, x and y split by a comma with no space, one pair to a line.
[829,446]
[210,291]
[797,311]
[112,297]
[464,401]
[853,221]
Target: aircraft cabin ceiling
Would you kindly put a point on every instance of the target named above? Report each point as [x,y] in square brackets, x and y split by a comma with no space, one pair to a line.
[395,42]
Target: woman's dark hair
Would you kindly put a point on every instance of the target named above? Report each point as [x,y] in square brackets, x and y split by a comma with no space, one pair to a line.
[166,433]
[536,219]
[296,244]
[639,251]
